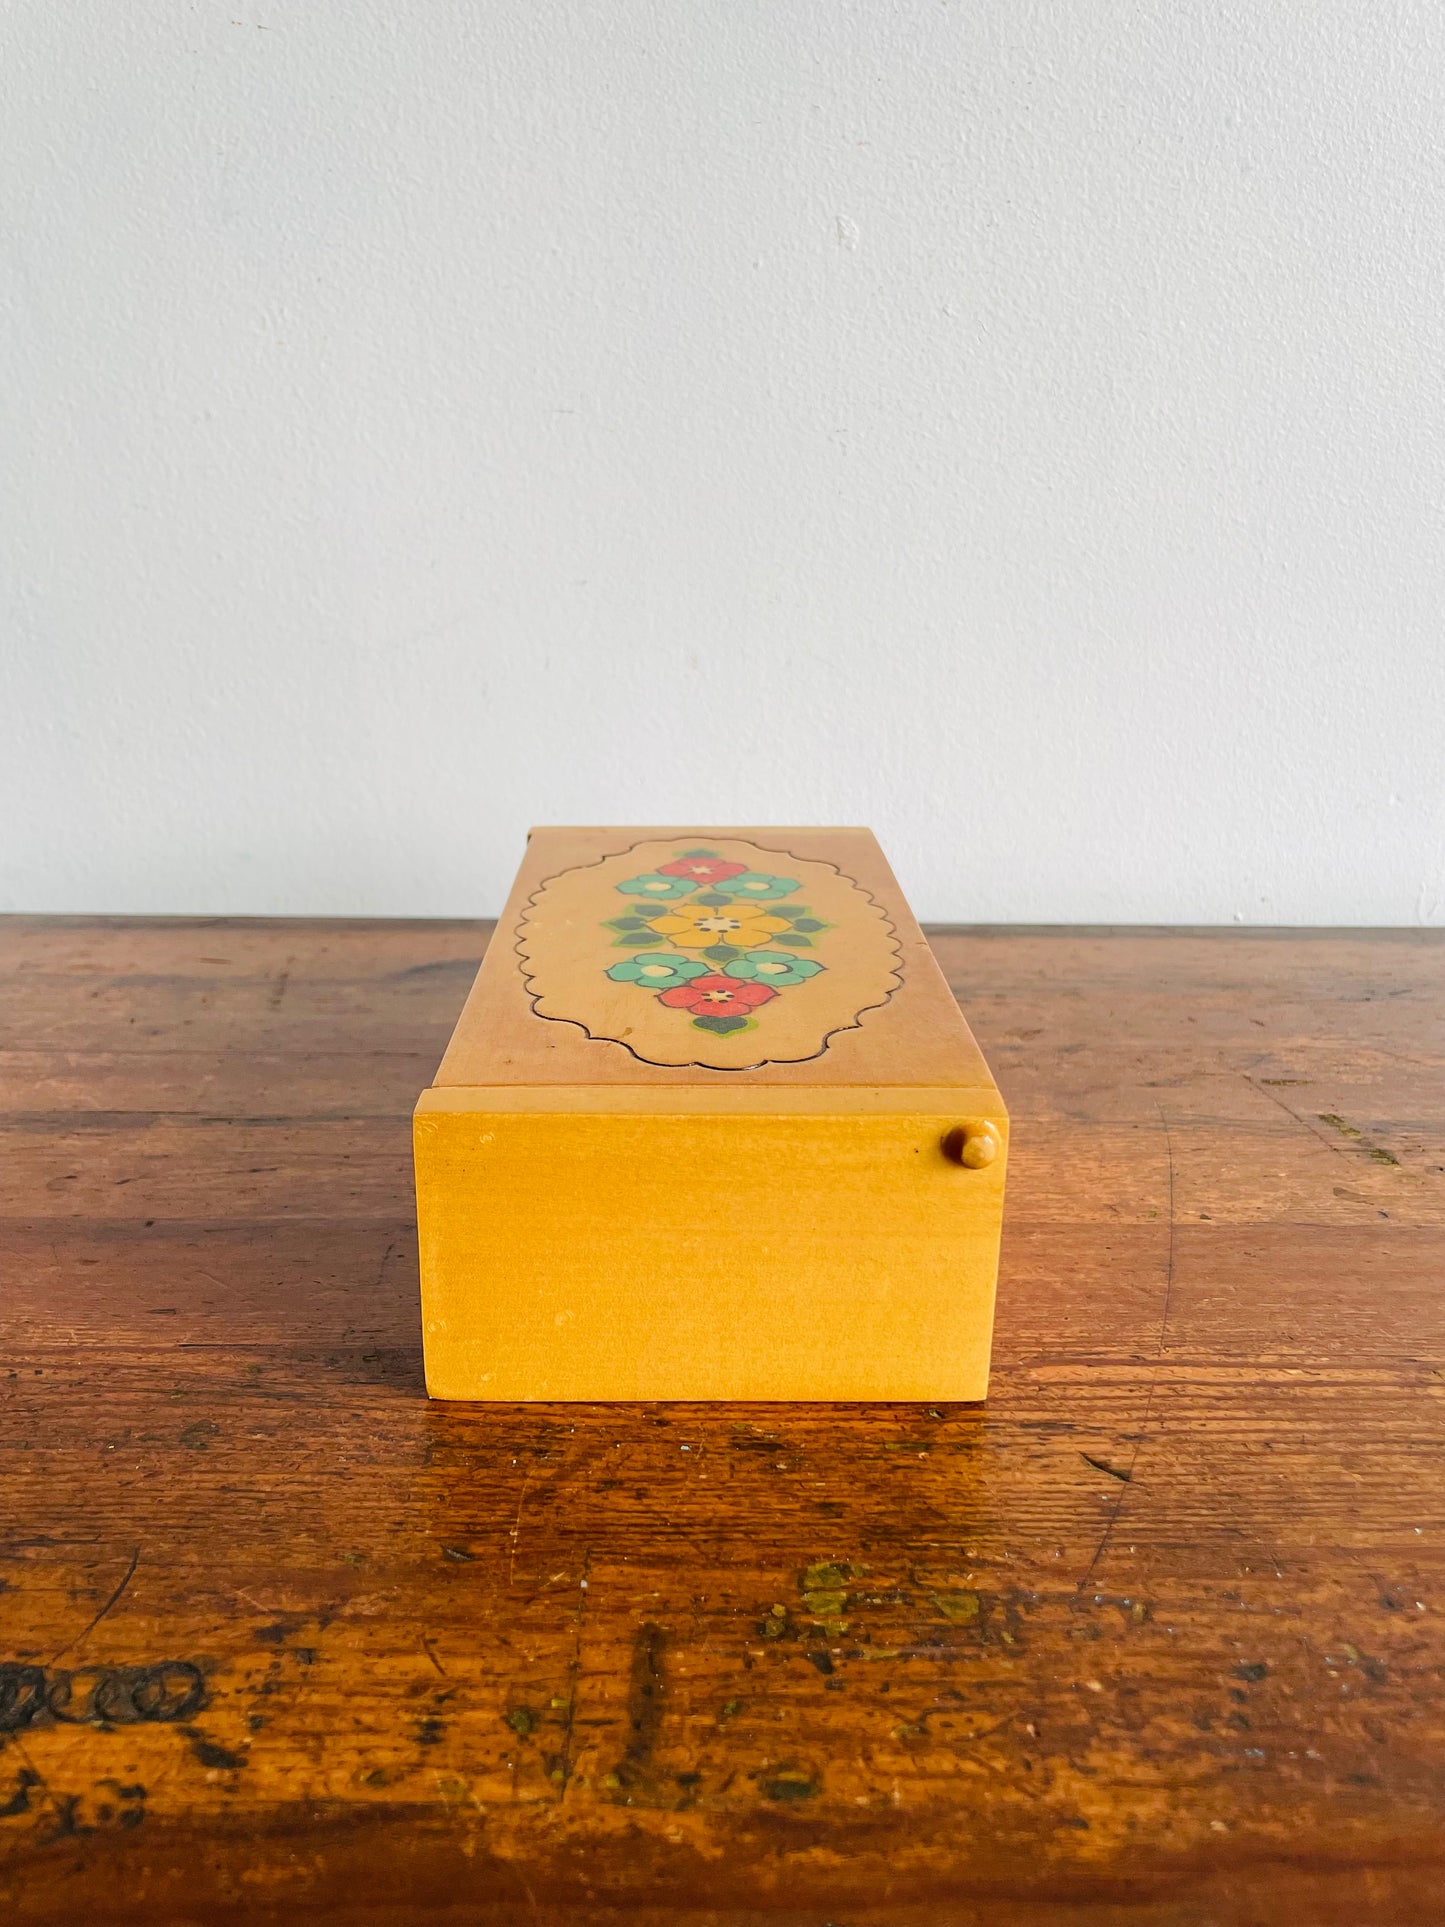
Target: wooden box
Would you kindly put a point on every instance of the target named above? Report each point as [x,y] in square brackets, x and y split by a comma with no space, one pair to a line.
[710,1126]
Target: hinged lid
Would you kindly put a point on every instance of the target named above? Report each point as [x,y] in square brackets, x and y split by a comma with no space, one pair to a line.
[726,958]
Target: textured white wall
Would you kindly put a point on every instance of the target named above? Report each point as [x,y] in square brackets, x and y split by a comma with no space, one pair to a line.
[1019,426]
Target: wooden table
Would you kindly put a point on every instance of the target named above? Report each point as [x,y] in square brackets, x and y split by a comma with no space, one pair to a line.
[1157,1637]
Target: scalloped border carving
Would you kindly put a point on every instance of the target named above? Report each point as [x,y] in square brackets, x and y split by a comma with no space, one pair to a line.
[720,1070]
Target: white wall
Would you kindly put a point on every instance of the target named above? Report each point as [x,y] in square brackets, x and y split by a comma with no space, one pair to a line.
[1017,426]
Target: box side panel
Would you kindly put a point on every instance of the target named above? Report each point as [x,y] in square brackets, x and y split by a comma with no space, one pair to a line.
[602,1257]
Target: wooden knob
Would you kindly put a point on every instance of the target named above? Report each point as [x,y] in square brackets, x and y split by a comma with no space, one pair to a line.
[972,1145]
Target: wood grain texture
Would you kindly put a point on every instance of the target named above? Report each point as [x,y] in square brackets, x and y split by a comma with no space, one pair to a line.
[912,1035]
[1154,1638]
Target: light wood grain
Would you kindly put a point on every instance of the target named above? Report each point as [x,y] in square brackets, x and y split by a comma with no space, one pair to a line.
[1153,1639]
[915,1037]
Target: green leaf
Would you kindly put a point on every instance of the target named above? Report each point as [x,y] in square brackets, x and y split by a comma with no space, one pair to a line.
[808,923]
[723,1026]
[683,855]
[638,939]
[722,952]
[714,901]
[792,940]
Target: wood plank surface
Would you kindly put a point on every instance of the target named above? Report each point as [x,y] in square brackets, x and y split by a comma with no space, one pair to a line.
[1157,1637]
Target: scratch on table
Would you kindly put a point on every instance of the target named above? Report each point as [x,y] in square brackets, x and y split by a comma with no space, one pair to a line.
[1126,1477]
[1303,1122]
[531,1897]
[386,1258]
[71,1644]
[517,1527]
[259,1604]
[574,1671]
[37,1778]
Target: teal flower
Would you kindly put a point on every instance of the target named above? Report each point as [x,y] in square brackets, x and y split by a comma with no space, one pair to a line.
[772,967]
[657,973]
[659,888]
[755,885]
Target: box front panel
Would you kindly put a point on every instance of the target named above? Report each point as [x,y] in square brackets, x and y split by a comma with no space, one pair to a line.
[586,1256]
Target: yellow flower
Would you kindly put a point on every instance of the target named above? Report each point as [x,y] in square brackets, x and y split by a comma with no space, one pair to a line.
[696,926]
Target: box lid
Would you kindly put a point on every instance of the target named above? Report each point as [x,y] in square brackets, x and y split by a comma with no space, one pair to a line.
[653,959]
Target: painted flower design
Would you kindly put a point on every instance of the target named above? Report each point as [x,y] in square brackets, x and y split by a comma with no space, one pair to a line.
[805,926]
[717,993]
[635,930]
[703,867]
[722,949]
[702,926]
[772,967]
[662,889]
[756,886]
[718,1003]
[657,973]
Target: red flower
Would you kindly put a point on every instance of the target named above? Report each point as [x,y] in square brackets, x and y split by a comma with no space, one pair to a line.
[717,997]
[702,869]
